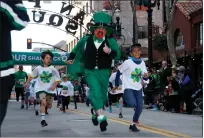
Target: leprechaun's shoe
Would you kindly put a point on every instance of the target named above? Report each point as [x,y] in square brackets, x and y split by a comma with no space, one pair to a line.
[103,122]
[94,118]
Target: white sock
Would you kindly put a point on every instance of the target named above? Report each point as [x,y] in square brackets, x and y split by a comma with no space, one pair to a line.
[120,106]
[37,107]
[100,117]
[42,116]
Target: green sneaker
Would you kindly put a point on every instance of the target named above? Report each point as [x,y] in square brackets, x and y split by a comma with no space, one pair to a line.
[103,123]
[101,118]
[94,118]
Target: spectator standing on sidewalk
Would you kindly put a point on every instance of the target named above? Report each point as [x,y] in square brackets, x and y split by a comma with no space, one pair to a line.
[165,72]
[186,90]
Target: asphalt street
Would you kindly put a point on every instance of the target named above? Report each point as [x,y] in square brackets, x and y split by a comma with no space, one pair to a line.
[77,123]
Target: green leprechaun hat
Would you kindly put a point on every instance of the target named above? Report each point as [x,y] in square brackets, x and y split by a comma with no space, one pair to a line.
[101,20]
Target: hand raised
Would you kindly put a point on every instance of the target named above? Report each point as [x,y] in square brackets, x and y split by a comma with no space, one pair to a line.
[106,49]
[69,62]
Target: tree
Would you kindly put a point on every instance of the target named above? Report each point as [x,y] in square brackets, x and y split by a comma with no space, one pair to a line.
[160,43]
[170,33]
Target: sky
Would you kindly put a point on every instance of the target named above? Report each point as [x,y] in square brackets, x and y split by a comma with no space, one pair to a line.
[38,33]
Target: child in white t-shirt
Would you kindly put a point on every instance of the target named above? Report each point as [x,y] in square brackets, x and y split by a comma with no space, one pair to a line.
[87,95]
[133,71]
[66,91]
[47,78]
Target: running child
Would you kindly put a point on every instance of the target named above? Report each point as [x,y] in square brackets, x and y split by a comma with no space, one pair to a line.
[87,95]
[116,94]
[47,78]
[133,71]
[66,92]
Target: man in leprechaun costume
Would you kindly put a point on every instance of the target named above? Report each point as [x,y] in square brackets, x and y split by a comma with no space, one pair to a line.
[96,52]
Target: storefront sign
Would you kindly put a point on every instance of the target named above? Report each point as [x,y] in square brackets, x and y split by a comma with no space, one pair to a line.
[33,58]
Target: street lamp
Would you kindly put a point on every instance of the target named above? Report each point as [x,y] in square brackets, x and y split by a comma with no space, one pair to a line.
[150,5]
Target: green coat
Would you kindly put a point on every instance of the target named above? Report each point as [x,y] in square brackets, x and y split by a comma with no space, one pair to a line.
[77,66]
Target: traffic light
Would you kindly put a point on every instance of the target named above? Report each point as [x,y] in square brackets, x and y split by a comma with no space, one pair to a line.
[29,43]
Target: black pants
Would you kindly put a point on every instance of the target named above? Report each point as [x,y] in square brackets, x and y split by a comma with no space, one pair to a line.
[150,97]
[189,104]
[76,99]
[65,102]
[19,92]
[113,98]
[173,103]
[6,84]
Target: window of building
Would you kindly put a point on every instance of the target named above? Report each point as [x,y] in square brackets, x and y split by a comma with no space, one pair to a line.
[91,9]
[71,45]
[68,46]
[199,34]
[74,42]
[84,8]
[87,9]
[179,41]
[142,32]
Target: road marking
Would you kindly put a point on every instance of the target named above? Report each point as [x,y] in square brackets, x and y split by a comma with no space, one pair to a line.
[142,127]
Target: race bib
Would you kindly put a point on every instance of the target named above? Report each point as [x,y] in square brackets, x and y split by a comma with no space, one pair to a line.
[76,93]
[65,92]
[22,81]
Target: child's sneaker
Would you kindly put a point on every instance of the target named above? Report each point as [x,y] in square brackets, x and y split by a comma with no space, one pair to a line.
[155,109]
[117,105]
[120,115]
[94,118]
[43,123]
[22,106]
[36,113]
[133,128]
[110,110]
[103,125]
[103,122]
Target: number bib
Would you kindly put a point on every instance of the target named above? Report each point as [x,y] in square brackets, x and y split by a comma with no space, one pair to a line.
[22,81]
[76,93]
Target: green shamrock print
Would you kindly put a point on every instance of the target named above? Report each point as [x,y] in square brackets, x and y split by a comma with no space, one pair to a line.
[135,75]
[45,77]
[65,88]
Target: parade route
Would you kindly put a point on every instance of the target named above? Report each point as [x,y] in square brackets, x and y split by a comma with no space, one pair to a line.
[77,123]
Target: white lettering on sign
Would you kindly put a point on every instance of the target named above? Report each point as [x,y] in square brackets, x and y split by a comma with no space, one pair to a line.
[19,57]
[29,58]
[64,58]
[23,58]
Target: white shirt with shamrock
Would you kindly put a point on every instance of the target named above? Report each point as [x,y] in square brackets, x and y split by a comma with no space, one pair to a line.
[112,80]
[67,89]
[45,77]
[132,74]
